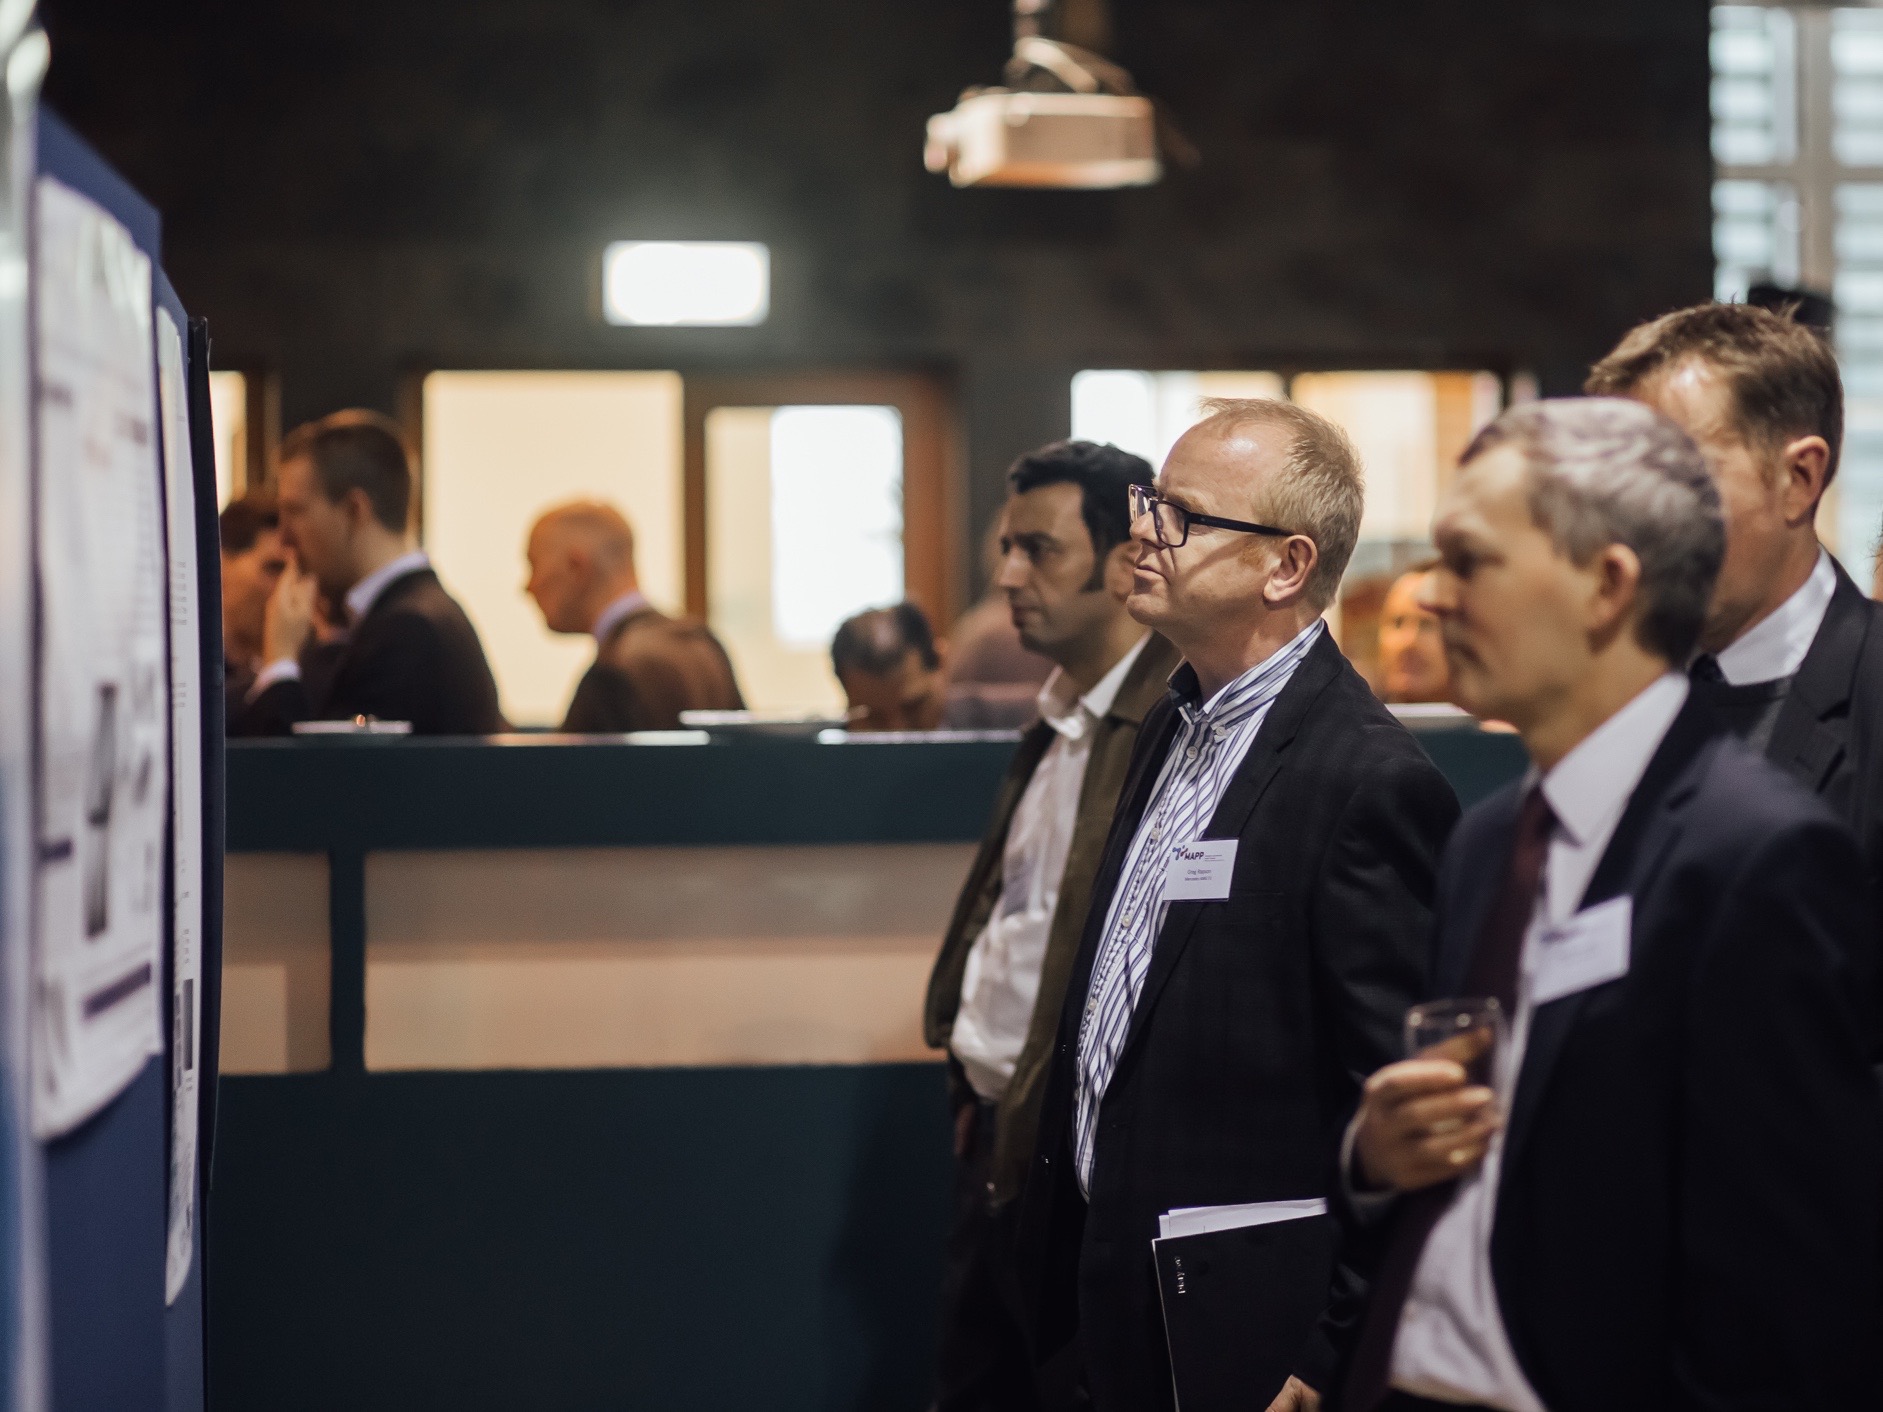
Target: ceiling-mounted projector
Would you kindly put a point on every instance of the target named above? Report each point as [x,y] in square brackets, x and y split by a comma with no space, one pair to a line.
[1066,118]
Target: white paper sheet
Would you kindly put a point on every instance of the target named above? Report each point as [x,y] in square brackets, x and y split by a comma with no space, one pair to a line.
[1202,1220]
[186,774]
[104,712]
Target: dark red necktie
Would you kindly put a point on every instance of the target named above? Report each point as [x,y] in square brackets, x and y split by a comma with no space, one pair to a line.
[1495,965]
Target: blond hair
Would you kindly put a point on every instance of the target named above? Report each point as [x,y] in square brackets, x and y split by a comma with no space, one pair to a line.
[1319,491]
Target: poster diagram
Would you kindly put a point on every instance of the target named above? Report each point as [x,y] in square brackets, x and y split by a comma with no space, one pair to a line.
[186,775]
[104,699]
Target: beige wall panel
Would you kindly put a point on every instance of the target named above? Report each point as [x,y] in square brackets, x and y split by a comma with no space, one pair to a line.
[276,963]
[602,958]
[500,448]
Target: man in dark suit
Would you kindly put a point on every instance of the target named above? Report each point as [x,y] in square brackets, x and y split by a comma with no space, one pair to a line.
[1213,1043]
[648,667]
[1680,1209]
[1792,651]
[1065,571]
[344,490]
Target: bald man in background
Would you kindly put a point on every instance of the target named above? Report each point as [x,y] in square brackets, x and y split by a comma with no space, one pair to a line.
[648,667]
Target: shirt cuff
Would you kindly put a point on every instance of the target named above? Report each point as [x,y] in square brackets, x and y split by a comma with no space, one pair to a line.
[1367,1206]
[286,669]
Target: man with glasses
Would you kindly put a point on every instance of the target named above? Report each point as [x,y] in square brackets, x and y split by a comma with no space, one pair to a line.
[1258,927]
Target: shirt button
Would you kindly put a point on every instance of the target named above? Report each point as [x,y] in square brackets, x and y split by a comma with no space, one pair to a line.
[1190,754]
[1091,1006]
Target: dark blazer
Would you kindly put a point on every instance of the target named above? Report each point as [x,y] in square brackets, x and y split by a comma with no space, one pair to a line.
[1261,1015]
[1688,1202]
[1016,1124]
[1829,731]
[413,657]
[651,668]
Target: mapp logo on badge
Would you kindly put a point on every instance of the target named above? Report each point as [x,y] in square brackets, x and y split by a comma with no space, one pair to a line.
[1189,852]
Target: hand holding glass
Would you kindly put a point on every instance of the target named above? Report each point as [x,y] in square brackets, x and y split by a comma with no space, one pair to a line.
[1470,1030]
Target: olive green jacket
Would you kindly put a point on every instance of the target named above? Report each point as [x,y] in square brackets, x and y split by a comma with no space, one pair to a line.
[1017,1122]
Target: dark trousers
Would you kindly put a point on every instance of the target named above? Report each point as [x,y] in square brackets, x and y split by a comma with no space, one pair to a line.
[985,1365]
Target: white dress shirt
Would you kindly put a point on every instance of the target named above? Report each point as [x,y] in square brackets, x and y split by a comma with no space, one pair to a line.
[1451,1344]
[1212,739]
[625,606]
[1002,979]
[359,601]
[1775,646]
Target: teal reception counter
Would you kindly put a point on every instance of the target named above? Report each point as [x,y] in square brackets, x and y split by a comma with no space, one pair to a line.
[589,1073]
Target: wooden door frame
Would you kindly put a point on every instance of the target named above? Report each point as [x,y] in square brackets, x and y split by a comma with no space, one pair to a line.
[931,479]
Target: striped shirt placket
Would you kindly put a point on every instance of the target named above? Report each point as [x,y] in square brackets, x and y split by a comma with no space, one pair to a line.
[1208,749]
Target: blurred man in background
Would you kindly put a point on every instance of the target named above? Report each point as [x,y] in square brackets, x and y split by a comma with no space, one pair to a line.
[344,490]
[1791,656]
[253,561]
[1412,654]
[1064,572]
[890,666]
[648,667]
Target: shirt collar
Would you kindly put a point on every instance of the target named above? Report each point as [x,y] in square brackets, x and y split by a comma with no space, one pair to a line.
[1252,688]
[617,612]
[1070,715]
[1588,788]
[365,593]
[1775,646]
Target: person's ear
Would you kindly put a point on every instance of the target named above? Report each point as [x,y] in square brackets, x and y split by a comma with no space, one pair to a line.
[1804,474]
[358,510]
[941,654]
[1288,579]
[1121,563]
[1615,589]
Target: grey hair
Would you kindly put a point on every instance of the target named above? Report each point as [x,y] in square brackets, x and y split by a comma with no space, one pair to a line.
[1606,470]
[1320,490]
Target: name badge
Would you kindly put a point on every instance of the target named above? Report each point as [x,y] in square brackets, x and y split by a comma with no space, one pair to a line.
[1590,948]
[1200,870]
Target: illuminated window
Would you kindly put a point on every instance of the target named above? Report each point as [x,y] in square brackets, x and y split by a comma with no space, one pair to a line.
[1798,202]
[836,503]
[804,526]
[228,417]
[1144,413]
[686,282]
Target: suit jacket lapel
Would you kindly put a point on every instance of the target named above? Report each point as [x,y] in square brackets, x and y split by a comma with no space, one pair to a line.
[1160,726]
[1649,825]
[1246,788]
[1803,742]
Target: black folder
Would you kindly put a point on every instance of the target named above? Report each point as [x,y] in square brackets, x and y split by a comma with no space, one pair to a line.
[1238,1306]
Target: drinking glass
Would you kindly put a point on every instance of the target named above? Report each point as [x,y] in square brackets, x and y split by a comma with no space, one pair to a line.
[1437,1021]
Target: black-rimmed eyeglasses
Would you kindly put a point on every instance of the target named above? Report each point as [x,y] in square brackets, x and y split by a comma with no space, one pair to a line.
[1172,522]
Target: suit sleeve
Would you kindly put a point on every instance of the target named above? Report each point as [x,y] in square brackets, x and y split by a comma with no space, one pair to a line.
[1781,1144]
[1373,924]
[274,710]
[1373,933]
[400,678]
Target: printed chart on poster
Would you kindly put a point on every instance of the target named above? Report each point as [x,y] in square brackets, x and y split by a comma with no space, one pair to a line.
[103,708]
[186,776]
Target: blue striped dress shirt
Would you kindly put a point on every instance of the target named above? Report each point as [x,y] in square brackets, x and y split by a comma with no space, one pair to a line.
[1210,744]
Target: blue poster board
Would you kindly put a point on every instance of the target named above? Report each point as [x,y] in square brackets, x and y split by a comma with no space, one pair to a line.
[113,1343]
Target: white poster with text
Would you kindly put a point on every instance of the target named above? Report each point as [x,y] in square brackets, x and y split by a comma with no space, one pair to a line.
[103,700]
